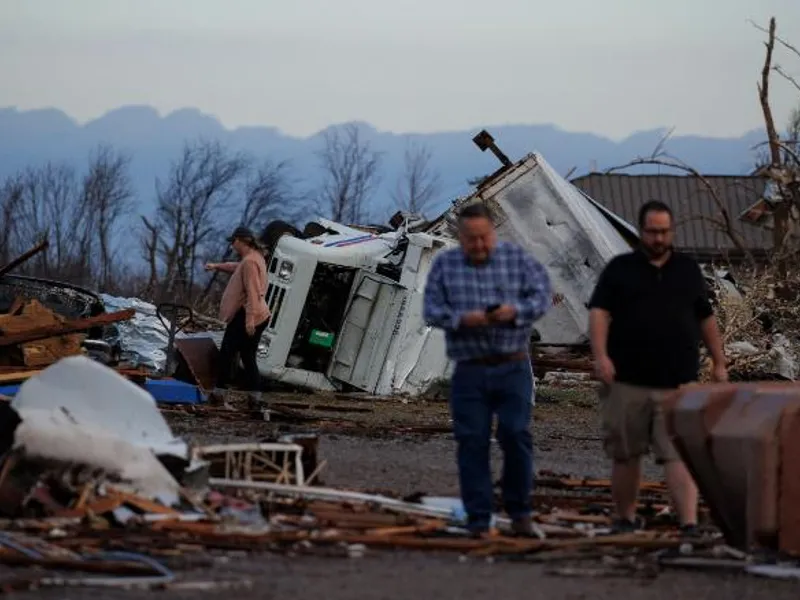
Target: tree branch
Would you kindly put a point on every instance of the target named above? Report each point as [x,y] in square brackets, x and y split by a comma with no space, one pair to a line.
[666,161]
[786,76]
[781,41]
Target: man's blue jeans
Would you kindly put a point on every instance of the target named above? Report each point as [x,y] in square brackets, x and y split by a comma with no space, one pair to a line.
[477,393]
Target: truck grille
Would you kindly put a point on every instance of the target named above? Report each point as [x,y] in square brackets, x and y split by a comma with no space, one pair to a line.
[275,296]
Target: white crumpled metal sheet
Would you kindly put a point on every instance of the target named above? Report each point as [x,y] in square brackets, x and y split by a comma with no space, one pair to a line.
[144,338]
[80,411]
[548,216]
[92,394]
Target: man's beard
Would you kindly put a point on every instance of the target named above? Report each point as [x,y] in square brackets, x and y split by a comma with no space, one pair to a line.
[657,251]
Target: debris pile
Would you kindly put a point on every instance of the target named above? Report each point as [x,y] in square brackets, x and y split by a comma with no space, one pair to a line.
[135,539]
[92,480]
[32,336]
[759,320]
[43,321]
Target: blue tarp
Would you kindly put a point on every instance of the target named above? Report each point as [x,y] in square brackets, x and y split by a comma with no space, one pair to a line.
[164,391]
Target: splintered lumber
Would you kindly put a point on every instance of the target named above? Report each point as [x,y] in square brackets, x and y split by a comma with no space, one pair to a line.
[29,315]
[17,376]
[26,315]
[42,353]
[67,327]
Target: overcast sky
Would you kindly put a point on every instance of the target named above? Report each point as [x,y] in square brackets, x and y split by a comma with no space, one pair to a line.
[610,67]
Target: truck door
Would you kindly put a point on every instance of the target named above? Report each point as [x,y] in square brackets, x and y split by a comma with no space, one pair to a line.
[371,321]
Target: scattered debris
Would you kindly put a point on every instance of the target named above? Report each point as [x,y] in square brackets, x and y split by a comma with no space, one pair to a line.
[760,323]
[275,462]
[199,356]
[31,335]
[741,443]
[93,480]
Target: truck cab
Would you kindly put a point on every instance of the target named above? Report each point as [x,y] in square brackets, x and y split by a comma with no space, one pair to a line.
[347,311]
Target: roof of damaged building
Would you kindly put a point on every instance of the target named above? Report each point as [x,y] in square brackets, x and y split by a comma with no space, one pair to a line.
[697,212]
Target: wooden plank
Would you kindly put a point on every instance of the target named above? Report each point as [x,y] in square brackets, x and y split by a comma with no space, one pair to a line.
[43,353]
[17,306]
[33,315]
[144,504]
[97,507]
[40,333]
[16,376]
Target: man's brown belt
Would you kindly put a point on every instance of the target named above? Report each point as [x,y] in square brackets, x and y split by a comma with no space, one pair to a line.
[497,359]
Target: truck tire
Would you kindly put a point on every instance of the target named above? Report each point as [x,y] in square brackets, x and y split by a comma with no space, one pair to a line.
[275,230]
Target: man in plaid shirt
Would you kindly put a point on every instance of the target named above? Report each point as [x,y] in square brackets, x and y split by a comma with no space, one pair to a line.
[486,296]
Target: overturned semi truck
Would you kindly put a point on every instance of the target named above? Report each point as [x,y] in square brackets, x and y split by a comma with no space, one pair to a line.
[346,302]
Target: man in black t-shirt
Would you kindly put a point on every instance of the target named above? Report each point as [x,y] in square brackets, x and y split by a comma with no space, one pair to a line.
[648,314]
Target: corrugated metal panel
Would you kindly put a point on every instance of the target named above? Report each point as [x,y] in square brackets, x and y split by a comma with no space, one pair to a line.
[697,216]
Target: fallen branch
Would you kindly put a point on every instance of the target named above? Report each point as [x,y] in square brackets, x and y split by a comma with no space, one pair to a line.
[24,257]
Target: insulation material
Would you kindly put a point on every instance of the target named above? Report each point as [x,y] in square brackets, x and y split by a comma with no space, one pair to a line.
[80,412]
[93,396]
[52,434]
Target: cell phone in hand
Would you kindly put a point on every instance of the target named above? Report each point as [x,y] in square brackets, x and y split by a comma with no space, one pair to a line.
[491,308]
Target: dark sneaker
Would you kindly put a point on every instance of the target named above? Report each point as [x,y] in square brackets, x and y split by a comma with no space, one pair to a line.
[627,526]
[523,527]
[481,533]
[690,530]
[255,400]
[216,397]
[478,528]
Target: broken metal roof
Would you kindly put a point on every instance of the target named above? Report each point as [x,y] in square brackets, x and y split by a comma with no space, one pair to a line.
[696,213]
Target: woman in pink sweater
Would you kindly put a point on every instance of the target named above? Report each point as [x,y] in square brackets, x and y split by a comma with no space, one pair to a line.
[244,309]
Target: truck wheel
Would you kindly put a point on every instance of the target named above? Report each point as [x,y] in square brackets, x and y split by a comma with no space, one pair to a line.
[275,230]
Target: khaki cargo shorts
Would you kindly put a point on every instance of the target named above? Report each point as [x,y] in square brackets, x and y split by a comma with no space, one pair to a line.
[633,423]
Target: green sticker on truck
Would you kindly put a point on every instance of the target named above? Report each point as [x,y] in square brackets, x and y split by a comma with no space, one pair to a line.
[321,338]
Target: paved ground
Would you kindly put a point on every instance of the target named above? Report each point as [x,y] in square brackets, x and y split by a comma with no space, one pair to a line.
[566,441]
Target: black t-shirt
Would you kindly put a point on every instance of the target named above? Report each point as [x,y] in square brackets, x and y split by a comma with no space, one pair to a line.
[654,336]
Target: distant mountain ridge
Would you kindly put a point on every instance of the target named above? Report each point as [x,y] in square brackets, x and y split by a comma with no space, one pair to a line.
[30,138]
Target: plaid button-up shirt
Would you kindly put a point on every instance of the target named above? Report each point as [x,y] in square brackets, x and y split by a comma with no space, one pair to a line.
[455,286]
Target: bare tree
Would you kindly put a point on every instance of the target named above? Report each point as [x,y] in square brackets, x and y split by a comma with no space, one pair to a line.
[10,201]
[267,195]
[780,164]
[77,216]
[419,184]
[149,240]
[793,134]
[51,205]
[351,172]
[783,168]
[194,204]
[108,195]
